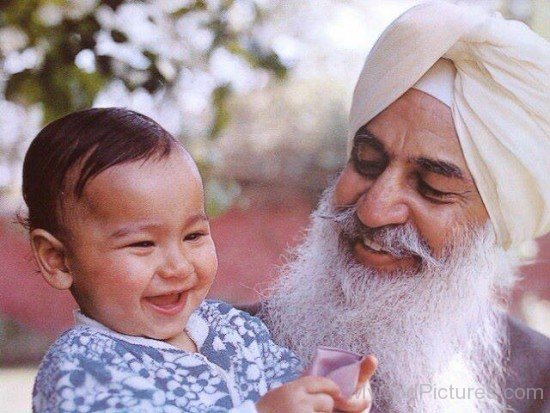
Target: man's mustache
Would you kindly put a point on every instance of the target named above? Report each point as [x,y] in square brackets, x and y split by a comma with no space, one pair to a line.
[402,240]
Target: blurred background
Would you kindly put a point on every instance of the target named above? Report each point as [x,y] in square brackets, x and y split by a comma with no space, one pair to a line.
[258,91]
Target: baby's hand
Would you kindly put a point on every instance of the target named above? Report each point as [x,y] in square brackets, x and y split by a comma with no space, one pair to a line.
[304,395]
[319,394]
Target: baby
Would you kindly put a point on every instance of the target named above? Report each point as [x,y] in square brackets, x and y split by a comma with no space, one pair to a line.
[116,216]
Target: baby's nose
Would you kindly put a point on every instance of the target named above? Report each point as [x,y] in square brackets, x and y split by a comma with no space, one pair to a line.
[176,264]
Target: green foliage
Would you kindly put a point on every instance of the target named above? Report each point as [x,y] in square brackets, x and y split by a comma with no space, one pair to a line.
[56,32]
[57,83]
[60,86]
[221,119]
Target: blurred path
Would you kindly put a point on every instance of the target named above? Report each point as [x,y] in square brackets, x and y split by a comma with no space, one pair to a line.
[16,389]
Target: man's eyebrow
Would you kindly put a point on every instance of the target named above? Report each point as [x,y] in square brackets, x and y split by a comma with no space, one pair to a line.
[130,229]
[437,166]
[363,136]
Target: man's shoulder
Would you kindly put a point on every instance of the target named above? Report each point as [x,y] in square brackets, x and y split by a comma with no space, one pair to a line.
[528,343]
[529,349]
[528,367]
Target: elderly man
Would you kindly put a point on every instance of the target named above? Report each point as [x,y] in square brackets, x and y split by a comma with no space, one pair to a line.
[410,253]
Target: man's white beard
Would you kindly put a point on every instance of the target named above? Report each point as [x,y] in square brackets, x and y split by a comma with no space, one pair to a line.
[438,327]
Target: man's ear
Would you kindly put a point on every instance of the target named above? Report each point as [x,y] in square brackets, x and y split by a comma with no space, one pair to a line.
[51,255]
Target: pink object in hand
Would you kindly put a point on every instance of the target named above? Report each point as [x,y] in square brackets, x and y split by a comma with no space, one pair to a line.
[340,366]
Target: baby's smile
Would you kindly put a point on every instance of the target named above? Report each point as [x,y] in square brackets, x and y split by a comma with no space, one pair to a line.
[167,304]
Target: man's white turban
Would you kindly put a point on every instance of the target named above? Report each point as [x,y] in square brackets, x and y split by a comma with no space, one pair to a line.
[500,103]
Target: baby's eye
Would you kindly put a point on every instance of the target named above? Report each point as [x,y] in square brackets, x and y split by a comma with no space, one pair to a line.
[142,244]
[193,236]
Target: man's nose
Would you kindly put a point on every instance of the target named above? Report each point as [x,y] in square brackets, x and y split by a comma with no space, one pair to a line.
[176,263]
[384,201]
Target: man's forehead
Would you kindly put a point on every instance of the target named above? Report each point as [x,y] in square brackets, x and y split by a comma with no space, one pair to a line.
[418,128]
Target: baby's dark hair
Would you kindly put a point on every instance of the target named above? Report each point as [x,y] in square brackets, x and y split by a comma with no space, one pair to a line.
[95,140]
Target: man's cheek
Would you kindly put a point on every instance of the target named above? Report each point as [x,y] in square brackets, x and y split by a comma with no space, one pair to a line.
[347,187]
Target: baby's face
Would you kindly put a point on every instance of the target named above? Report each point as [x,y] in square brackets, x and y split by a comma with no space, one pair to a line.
[140,249]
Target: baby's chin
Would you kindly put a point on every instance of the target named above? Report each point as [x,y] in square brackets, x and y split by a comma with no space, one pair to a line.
[174,335]
[166,333]
[182,341]
[134,329]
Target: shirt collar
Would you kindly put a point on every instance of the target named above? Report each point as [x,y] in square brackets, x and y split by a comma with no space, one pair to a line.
[197,328]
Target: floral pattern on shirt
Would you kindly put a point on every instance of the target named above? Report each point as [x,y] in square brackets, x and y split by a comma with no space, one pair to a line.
[87,370]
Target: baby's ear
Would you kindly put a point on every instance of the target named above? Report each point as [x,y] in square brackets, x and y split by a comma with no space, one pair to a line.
[50,255]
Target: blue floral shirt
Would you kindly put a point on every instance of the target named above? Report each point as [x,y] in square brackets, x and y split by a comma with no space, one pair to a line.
[91,368]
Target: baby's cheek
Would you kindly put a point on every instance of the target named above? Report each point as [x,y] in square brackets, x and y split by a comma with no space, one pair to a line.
[214,263]
[207,266]
[128,281]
